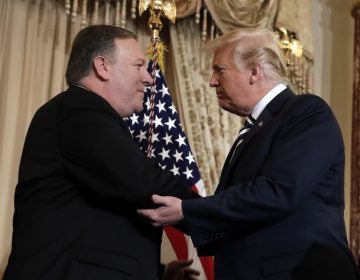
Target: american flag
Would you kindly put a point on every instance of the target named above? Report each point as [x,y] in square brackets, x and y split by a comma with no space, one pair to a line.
[172,152]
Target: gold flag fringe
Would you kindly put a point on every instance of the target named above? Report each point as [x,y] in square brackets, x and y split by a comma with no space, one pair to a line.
[156,53]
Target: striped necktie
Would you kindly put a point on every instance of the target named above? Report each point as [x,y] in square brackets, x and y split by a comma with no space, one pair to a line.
[249,122]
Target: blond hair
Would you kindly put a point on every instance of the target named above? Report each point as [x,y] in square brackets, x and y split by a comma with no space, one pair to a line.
[254,46]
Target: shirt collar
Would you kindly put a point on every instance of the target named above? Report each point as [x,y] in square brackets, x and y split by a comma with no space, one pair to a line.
[260,106]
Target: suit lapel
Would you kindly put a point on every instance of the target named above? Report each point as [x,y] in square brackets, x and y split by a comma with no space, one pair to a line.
[262,120]
[265,117]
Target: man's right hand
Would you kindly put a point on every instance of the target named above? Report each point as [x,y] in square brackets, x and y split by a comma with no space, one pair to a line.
[168,211]
[180,270]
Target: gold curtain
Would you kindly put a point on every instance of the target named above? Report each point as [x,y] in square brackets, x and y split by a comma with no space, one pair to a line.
[31,54]
[295,15]
[231,14]
[227,15]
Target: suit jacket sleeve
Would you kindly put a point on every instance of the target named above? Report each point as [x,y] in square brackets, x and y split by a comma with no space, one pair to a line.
[306,146]
[99,153]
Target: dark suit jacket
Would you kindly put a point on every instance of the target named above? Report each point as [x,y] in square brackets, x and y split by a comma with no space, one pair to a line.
[279,204]
[81,178]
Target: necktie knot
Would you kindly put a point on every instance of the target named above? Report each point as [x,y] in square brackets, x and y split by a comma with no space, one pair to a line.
[249,122]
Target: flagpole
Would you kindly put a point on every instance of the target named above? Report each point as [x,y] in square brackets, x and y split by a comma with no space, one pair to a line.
[156,51]
[154,58]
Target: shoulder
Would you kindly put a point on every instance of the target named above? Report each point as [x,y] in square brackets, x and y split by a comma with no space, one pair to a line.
[309,98]
[308,104]
[76,104]
[76,100]
[68,99]
[76,97]
[50,108]
[309,111]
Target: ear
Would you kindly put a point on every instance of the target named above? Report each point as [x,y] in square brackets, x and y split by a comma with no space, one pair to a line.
[101,67]
[255,72]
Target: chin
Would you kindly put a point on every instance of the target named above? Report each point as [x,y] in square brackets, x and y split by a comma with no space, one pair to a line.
[139,109]
[223,106]
[231,110]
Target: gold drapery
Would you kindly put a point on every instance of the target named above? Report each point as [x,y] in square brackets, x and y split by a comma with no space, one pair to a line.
[231,14]
[272,14]
[32,52]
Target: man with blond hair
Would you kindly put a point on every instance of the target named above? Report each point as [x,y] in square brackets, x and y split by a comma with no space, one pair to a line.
[277,212]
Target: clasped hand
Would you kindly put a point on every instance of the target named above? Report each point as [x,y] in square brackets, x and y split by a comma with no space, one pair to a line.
[168,212]
[180,270]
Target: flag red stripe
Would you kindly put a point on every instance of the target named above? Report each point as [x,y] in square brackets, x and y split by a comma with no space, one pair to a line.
[178,242]
[208,266]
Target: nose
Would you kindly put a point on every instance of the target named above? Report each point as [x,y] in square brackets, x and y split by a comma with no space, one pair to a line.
[213,81]
[147,79]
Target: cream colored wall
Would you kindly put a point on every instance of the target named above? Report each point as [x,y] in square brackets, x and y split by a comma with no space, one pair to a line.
[333,31]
